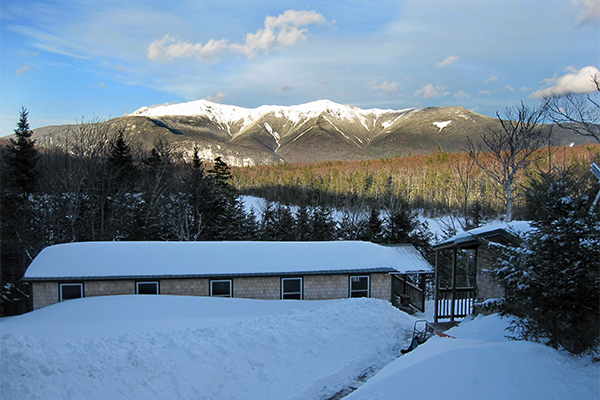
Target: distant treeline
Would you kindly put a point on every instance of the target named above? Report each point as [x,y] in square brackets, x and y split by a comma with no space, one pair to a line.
[439,184]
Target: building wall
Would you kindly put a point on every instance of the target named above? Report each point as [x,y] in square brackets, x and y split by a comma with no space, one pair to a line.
[324,287]
[184,287]
[315,287]
[381,286]
[44,294]
[108,288]
[259,287]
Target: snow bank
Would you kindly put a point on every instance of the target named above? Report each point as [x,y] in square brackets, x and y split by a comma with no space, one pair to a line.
[482,364]
[169,347]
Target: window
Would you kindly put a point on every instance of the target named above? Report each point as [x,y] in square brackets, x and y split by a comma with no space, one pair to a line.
[70,291]
[291,288]
[146,287]
[220,288]
[359,286]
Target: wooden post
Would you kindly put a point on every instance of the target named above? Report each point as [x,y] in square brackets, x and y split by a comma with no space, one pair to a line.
[436,286]
[423,287]
[453,293]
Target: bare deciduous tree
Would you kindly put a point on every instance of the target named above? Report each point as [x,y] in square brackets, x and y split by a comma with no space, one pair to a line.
[577,112]
[504,152]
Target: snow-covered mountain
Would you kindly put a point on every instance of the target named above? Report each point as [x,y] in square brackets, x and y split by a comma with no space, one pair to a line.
[316,131]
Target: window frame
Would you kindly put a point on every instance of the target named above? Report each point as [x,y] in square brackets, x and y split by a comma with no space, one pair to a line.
[220,281]
[301,292]
[137,288]
[60,290]
[351,291]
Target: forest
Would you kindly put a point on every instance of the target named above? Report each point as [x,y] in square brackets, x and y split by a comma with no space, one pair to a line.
[95,183]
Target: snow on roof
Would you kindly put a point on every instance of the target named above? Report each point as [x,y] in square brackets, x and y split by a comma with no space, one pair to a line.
[173,259]
[515,228]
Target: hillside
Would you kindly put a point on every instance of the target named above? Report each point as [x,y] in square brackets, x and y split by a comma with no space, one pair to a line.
[312,132]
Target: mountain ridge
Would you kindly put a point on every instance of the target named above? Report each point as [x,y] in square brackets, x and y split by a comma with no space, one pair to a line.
[317,131]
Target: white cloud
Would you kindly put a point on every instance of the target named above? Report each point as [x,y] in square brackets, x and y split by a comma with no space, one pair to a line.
[169,48]
[389,88]
[590,12]
[492,78]
[575,82]
[216,98]
[461,95]
[284,30]
[447,61]
[431,92]
[23,69]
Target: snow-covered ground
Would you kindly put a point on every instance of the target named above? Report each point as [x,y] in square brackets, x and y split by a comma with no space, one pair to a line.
[167,347]
[176,347]
[481,363]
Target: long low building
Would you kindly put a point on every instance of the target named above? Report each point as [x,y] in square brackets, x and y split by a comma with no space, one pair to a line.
[254,270]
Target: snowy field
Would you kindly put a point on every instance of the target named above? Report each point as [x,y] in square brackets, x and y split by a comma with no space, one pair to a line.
[176,347]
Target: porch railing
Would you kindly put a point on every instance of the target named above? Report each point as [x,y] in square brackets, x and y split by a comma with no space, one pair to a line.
[464,298]
[410,292]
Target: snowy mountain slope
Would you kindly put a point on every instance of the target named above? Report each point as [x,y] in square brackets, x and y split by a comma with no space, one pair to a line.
[317,131]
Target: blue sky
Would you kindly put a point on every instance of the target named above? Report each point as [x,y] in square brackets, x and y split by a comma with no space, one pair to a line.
[76,60]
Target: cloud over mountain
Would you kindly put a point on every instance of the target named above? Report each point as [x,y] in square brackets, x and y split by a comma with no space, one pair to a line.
[282,31]
[575,81]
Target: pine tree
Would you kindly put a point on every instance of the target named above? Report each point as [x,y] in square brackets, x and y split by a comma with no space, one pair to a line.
[21,159]
[20,178]
[553,279]
[221,174]
[323,227]
[120,160]
[302,230]
[373,228]
[277,223]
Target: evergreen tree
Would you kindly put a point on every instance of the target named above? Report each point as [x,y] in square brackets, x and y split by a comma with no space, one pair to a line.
[553,279]
[323,227]
[373,229]
[20,241]
[120,160]
[221,174]
[302,228]
[21,172]
[277,223]
[402,226]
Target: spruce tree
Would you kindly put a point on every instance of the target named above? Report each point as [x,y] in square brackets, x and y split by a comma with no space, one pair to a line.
[302,228]
[221,174]
[21,158]
[373,228]
[120,160]
[553,279]
[323,227]
[20,178]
